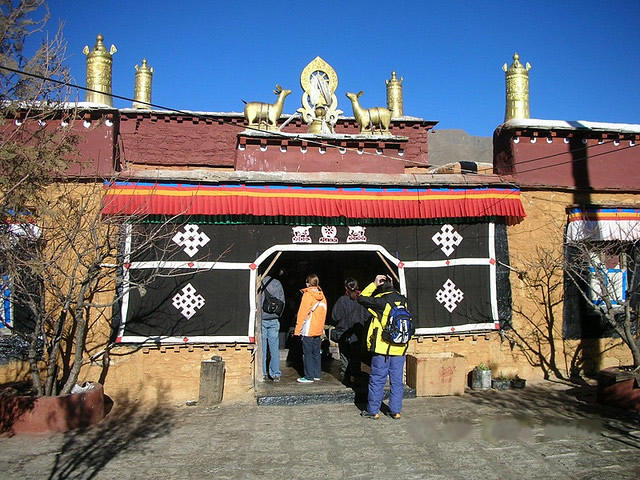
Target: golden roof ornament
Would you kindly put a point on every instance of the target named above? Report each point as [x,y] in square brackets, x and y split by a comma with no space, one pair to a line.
[372,121]
[264,116]
[319,102]
[394,95]
[99,62]
[142,89]
[517,86]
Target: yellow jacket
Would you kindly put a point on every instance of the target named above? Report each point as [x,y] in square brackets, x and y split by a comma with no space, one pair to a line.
[312,313]
[380,305]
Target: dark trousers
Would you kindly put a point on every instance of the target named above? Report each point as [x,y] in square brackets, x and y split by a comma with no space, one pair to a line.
[350,360]
[311,357]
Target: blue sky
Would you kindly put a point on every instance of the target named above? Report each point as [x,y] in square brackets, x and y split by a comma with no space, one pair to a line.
[210,55]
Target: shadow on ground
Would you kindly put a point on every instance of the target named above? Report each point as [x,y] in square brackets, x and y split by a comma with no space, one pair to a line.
[127,427]
[564,407]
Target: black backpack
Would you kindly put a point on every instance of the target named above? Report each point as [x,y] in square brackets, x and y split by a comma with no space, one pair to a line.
[271,304]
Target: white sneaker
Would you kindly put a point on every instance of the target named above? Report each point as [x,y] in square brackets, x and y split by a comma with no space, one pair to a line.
[304,380]
[316,378]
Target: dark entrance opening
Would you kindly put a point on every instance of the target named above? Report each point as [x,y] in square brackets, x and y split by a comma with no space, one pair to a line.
[332,267]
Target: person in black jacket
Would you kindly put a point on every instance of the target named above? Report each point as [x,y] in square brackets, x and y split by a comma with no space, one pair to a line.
[349,317]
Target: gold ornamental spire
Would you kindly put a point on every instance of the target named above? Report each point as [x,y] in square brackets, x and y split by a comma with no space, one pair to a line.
[99,62]
[517,85]
[319,110]
[394,95]
[142,90]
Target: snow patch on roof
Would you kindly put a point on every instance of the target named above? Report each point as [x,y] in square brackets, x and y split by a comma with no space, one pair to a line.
[572,125]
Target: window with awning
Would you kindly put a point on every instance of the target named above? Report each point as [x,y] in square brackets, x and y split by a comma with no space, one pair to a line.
[603,224]
[602,258]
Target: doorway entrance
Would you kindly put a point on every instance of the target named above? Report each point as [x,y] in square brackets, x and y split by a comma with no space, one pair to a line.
[333,264]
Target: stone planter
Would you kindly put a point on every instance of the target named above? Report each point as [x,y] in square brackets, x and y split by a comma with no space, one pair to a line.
[500,383]
[25,414]
[480,379]
[518,383]
[619,387]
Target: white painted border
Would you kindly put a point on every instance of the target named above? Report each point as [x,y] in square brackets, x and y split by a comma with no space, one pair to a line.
[296,247]
[196,339]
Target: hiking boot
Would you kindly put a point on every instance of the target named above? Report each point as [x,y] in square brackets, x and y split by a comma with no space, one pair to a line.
[305,380]
[372,416]
[395,416]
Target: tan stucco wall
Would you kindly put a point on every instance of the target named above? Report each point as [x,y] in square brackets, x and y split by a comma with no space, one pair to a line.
[537,324]
[171,374]
[534,349]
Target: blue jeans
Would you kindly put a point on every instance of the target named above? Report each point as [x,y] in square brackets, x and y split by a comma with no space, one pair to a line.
[311,357]
[270,341]
[381,367]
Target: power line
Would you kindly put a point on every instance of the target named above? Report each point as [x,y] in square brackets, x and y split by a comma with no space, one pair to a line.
[197,115]
[314,142]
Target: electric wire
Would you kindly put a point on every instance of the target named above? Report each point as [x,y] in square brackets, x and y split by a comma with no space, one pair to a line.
[316,142]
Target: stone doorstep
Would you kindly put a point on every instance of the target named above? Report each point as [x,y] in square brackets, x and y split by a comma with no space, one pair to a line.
[327,395]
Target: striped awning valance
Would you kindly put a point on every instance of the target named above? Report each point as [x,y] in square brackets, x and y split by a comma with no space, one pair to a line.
[133,198]
[603,224]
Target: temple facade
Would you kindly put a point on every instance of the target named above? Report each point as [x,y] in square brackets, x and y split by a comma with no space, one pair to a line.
[212,202]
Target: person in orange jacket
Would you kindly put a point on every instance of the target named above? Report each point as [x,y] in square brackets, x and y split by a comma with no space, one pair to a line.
[310,326]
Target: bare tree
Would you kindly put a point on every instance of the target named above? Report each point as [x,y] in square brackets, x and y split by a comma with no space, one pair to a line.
[60,254]
[67,273]
[605,274]
[541,279]
[596,282]
[30,147]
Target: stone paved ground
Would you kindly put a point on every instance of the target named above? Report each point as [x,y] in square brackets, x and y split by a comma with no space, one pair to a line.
[546,431]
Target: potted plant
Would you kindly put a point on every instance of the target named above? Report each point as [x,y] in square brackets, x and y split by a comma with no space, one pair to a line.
[517,382]
[481,377]
[501,383]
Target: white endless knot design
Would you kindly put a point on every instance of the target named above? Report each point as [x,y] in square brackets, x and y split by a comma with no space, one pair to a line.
[447,238]
[191,239]
[449,295]
[188,301]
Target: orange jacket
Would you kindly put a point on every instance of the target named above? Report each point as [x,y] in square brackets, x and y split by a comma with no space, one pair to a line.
[312,313]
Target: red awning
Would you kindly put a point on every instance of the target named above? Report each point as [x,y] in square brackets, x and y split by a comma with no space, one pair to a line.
[273,200]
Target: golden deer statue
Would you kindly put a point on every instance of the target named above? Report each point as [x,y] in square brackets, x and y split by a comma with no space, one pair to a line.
[374,120]
[264,116]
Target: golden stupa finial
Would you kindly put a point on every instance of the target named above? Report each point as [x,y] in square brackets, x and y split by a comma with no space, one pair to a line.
[142,89]
[394,95]
[99,61]
[319,102]
[517,88]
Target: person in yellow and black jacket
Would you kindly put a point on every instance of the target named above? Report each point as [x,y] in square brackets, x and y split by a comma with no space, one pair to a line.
[387,359]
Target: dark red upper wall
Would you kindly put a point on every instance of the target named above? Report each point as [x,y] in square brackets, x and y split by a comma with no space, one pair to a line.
[580,158]
[164,139]
[94,131]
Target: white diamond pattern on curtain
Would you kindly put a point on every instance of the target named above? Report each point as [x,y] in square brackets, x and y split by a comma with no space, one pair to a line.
[447,239]
[191,239]
[449,295]
[188,301]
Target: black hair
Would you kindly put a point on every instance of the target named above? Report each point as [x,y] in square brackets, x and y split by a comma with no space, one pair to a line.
[387,286]
[351,284]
